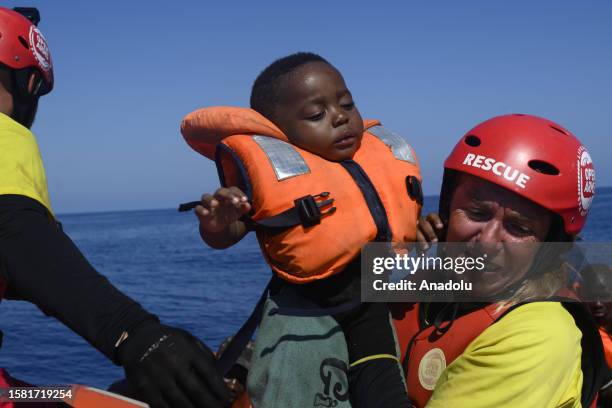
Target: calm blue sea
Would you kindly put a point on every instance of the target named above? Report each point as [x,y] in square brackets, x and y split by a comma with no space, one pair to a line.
[157,257]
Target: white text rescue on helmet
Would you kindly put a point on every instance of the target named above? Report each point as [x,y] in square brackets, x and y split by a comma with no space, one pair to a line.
[498,168]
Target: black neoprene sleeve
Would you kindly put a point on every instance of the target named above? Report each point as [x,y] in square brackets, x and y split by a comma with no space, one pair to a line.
[42,265]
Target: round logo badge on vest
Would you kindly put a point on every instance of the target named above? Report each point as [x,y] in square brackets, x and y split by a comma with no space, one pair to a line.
[586,180]
[430,368]
[39,48]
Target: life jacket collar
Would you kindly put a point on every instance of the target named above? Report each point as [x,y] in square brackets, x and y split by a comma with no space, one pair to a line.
[205,128]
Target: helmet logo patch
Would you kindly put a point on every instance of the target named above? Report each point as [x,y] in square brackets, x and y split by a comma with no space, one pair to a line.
[498,168]
[39,48]
[431,367]
[586,180]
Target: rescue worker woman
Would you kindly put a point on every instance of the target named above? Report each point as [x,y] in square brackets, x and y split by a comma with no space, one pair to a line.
[518,352]
[39,263]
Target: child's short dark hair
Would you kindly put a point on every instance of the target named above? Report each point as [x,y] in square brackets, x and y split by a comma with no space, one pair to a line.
[264,93]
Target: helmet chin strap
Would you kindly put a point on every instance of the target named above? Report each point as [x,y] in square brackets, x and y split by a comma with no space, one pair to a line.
[24,113]
[25,102]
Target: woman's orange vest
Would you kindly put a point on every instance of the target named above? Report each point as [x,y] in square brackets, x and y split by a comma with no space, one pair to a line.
[427,351]
[431,351]
[606,339]
[376,195]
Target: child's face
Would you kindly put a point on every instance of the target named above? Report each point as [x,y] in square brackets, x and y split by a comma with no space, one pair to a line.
[317,113]
[597,290]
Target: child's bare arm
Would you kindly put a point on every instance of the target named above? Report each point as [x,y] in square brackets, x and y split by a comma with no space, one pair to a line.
[219,216]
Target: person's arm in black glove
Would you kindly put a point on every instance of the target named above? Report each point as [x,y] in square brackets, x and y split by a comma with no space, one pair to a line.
[42,265]
[172,368]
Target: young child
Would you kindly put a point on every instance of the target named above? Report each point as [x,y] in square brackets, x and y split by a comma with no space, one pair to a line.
[334,188]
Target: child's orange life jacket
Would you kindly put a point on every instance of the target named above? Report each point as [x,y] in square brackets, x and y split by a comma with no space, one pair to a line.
[606,339]
[326,210]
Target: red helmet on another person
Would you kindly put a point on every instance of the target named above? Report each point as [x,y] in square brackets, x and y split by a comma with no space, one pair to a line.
[23,46]
[533,157]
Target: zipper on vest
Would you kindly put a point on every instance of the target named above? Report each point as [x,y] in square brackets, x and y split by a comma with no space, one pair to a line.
[377,210]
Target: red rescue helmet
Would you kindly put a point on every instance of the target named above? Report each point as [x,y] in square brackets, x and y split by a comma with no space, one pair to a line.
[23,46]
[533,157]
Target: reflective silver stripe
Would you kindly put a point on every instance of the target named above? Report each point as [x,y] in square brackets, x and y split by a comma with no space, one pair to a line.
[285,160]
[400,148]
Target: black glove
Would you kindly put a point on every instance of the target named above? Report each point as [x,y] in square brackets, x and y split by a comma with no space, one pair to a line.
[170,368]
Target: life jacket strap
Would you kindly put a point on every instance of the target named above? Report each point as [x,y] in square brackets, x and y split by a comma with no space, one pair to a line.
[306,211]
[240,340]
[317,311]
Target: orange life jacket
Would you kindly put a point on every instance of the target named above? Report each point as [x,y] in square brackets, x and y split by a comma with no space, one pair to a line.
[606,339]
[430,352]
[427,350]
[376,195]
[242,401]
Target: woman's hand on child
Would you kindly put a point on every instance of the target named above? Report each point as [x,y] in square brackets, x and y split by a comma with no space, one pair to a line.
[221,209]
[429,229]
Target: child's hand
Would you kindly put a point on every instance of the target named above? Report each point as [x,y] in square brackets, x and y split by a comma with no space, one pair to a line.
[429,230]
[223,208]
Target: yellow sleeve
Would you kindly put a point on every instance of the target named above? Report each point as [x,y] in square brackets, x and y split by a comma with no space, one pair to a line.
[21,167]
[529,358]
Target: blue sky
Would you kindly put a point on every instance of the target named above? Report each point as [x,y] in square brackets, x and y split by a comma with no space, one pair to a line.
[127,73]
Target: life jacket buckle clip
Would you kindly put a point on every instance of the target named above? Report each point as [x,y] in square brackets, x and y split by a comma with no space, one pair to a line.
[309,210]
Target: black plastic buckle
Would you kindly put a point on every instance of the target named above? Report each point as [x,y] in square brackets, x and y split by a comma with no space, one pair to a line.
[309,210]
[415,191]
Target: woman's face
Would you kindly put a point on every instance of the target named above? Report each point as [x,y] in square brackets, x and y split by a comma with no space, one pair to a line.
[498,223]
